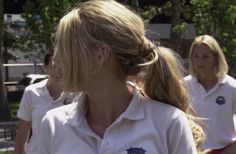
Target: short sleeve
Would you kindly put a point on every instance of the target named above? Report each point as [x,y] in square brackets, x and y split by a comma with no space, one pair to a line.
[180,139]
[25,108]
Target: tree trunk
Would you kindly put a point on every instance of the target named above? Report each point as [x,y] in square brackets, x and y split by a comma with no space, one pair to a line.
[5,60]
[176,20]
[4,109]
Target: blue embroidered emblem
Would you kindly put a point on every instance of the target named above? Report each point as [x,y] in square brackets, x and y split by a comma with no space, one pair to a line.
[136,151]
[220,100]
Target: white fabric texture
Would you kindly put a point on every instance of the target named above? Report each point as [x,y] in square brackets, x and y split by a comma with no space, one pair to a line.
[217,107]
[146,126]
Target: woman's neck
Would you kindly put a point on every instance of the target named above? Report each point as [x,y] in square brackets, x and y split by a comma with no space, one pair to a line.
[54,89]
[106,105]
[208,81]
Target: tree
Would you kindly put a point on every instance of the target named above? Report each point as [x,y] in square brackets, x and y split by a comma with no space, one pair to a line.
[9,42]
[178,12]
[176,22]
[42,17]
[217,18]
[4,110]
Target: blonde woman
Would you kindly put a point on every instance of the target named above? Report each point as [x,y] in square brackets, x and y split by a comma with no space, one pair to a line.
[213,94]
[99,44]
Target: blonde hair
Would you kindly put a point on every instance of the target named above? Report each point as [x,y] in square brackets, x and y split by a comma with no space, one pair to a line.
[221,67]
[94,23]
[164,78]
[90,25]
[163,82]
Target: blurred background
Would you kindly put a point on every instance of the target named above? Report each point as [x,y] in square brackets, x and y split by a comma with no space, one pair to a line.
[27,30]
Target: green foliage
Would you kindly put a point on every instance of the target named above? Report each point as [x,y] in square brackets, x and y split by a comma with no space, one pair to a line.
[217,18]
[10,39]
[148,13]
[7,152]
[42,17]
[14,106]
[214,17]
[180,27]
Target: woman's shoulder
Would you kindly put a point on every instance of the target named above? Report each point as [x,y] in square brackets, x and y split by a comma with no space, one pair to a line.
[61,113]
[160,110]
[163,116]
[36,86]
[230,81]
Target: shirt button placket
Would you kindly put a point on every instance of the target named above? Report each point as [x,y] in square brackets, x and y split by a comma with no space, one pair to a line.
[106,146]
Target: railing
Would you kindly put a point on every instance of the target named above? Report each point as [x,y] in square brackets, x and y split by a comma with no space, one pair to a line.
[8,130]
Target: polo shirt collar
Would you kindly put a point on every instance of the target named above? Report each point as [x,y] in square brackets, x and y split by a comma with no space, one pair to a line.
[42,84]
[220,81]
[77,112]
[43,92]
[213,89]
[135,110]
[223,80]
[194,79]
[42,89]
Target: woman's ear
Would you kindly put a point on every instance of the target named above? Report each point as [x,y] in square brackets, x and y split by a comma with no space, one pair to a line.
[104,53]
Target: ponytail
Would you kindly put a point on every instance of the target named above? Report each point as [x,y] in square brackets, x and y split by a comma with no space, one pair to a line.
[163,81]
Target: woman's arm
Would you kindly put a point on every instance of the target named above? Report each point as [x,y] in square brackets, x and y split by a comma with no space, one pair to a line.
[22,135]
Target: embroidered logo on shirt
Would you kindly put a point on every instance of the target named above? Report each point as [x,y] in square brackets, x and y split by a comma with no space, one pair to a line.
[135,151]
[220,100]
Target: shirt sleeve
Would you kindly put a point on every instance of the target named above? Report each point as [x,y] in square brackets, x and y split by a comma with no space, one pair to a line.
[43,140]
[180,139]
[25,108]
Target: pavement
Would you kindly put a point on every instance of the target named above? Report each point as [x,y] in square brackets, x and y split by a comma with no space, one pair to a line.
[6,145]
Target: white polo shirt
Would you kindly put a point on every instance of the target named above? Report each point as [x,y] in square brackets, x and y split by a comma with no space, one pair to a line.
[146,127]
[218,106]
[36,101]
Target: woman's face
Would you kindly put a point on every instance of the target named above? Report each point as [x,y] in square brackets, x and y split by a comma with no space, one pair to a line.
[203,60]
